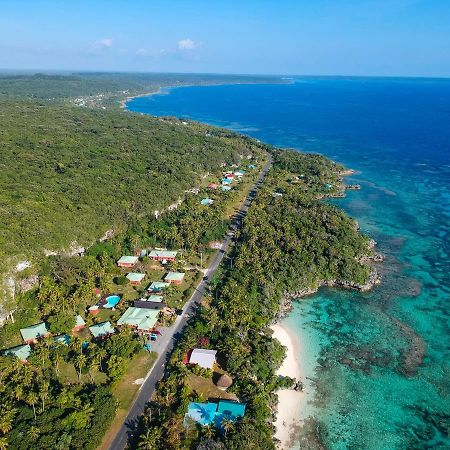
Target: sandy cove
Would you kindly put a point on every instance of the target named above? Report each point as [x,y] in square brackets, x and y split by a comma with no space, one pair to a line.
[290,402]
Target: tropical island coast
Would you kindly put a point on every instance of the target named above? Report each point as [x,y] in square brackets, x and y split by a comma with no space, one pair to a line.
[169,250]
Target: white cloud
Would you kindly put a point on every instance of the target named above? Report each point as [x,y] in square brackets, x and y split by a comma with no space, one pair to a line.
[142,52]
[187,44]
[101,45]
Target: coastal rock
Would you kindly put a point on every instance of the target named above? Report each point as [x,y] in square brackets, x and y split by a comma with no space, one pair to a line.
[27,283]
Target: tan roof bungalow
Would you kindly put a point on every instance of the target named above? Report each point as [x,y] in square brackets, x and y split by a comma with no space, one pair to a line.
[127,261]
[30,335]
[135,278]
[174,277]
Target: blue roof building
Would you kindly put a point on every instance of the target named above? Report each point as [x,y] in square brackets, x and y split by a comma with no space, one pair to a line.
[214,413]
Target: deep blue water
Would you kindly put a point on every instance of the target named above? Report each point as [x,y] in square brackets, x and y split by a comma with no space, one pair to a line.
[377,363]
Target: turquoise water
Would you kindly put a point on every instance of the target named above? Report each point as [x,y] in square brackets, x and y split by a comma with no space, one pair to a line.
[377,364]
[111,301]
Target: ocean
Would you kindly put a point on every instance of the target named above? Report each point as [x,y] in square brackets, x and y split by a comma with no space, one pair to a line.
[377,364]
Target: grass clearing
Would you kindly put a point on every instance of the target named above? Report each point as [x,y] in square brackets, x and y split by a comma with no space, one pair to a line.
[125,391]
[206,388]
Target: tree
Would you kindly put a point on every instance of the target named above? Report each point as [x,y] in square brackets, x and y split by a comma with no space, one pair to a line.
[7,413]
[3,443]
[117,366]
[61,322]
[32,399]
[80,363]
[101,355]
[150,440]
[34,432]
[43,393]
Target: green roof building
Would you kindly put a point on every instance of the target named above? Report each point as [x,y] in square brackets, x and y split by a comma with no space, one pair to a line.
[135,278]
[142,319]
[161,255]
[127,261]
[101,330]
[157,286]
[32,334]
[22,352]
[79,323]
[174,277]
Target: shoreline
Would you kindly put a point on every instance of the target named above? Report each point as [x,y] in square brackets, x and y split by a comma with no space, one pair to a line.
[290,401]
[160,90]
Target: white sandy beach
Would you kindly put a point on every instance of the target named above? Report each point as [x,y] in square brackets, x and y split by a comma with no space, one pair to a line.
[290,402]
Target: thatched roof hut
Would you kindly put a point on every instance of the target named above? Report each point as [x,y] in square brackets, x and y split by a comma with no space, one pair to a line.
[224,382]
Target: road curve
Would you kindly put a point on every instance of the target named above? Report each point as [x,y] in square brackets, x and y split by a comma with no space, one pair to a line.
[166,342]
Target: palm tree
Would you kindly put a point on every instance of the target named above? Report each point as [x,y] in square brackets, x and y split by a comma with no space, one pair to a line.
[7,414]
[101,355]
[34,432]
[43,393]
[32,399]
[227,426]
[80,363]
[77,344]
[150,439]
[3,443]
[57,359]
[92,365]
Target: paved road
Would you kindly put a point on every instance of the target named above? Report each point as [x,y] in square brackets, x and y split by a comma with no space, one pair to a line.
[166,342]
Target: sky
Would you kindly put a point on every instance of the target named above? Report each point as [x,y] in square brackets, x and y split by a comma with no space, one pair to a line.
[298,37]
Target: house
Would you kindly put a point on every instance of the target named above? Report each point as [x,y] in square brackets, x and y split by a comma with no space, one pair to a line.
[22,352]
[135,278]
[147,304]
[97,291]
[153,302]
[213,186]
[174,277]
[143,320]
[251,166]
[127,261]
[226,181]
[230,411]
[102,330]
[226,188]
[201,413]
[206,202]
[239,173]
[214,413]
[203,357]
[163,255]
[157,287]
[79,323]
[30,335]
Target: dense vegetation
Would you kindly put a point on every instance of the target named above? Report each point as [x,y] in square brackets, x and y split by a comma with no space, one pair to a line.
[70,174]
[287,243]
[65,397]
[106,88]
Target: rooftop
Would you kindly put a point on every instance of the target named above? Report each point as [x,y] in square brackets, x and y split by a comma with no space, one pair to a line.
[143,319]
[203,357]
[34,332]
[128,260]
[135,277]
[101,329]
[79,321]
[22,352]
[174,276]
[209,412]
[163,254]
[157,286]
